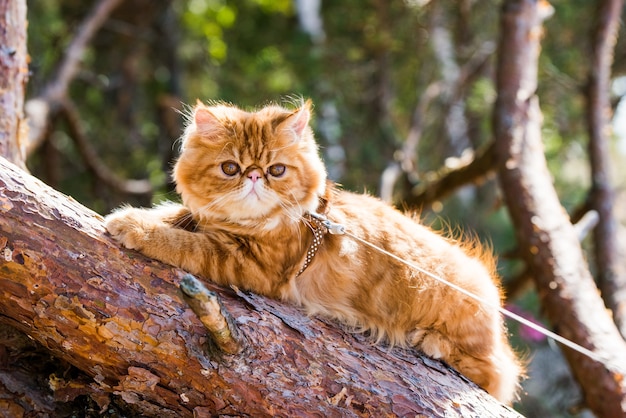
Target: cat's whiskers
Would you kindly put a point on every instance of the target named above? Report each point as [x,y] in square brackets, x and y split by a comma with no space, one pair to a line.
[204,211]
[296,203]
[293,214]
[293,208]
[240,198]
[288,209]
[183,220]
[298,216]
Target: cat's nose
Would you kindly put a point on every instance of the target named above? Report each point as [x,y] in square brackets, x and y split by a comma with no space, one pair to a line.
[254,175]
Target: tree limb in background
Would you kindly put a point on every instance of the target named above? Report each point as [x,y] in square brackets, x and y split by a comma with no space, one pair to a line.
[445,53]
[41,109]
[610,263]
[513,288]
[55,101]
[90,156]
[406,157]
[440,184]
[120,318]
[13,79]
[548,240]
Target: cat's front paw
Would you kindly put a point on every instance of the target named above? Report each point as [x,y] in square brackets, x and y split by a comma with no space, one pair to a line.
[129,227]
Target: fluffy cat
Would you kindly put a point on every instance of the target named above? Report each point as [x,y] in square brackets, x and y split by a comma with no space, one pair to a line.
[248,182]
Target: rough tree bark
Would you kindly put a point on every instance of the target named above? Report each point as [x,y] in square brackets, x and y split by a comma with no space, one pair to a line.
[120,318]
[546,237]
[611,271]
[14,75]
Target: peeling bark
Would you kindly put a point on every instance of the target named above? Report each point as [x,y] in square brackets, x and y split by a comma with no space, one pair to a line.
[121,319]
[546,237]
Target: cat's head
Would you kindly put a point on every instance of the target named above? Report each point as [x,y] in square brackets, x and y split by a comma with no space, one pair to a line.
[250,168]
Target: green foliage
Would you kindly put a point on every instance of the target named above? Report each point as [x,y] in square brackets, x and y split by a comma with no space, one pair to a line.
[374,65]
[208,19]
[376,62]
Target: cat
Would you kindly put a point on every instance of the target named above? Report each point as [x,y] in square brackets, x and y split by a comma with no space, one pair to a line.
[249,182]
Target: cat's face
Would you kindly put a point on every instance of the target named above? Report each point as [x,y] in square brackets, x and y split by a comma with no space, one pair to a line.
[249,168]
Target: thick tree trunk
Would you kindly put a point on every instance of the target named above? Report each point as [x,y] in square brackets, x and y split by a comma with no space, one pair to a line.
[546,237]
[13,78]
[121,319]
[611,269]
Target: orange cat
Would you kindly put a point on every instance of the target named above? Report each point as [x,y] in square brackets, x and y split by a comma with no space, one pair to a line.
[249,181]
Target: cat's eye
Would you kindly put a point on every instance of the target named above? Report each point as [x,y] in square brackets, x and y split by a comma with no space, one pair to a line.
[277,170]
[230,168]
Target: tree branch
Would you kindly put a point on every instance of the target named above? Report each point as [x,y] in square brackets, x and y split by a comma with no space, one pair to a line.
[448,179]
[406,157]
[445,181]
[55,100]
[545,235]
[41,109]
[211,312]
[120,318]
[518,284]
[91,159]
[13,79]
[611,270]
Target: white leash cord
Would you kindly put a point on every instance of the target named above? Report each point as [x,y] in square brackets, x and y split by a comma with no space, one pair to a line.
[338,229]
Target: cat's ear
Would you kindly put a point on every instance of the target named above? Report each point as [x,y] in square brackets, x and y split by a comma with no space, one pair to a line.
[204,120]
[298,120]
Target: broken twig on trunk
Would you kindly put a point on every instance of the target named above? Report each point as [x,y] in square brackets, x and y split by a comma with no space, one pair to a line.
[212,314]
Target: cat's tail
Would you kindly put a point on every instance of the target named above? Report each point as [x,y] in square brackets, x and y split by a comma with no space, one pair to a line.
[508,370]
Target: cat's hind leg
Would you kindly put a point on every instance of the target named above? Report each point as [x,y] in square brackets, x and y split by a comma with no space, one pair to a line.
[478,351]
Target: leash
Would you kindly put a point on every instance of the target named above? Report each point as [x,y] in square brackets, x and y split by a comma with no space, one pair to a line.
[338,229]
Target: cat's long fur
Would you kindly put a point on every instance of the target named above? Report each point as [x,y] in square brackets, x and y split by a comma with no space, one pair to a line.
[243,222]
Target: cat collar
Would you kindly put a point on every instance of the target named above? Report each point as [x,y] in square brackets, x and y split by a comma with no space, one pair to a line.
[318,223]
[332,227]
